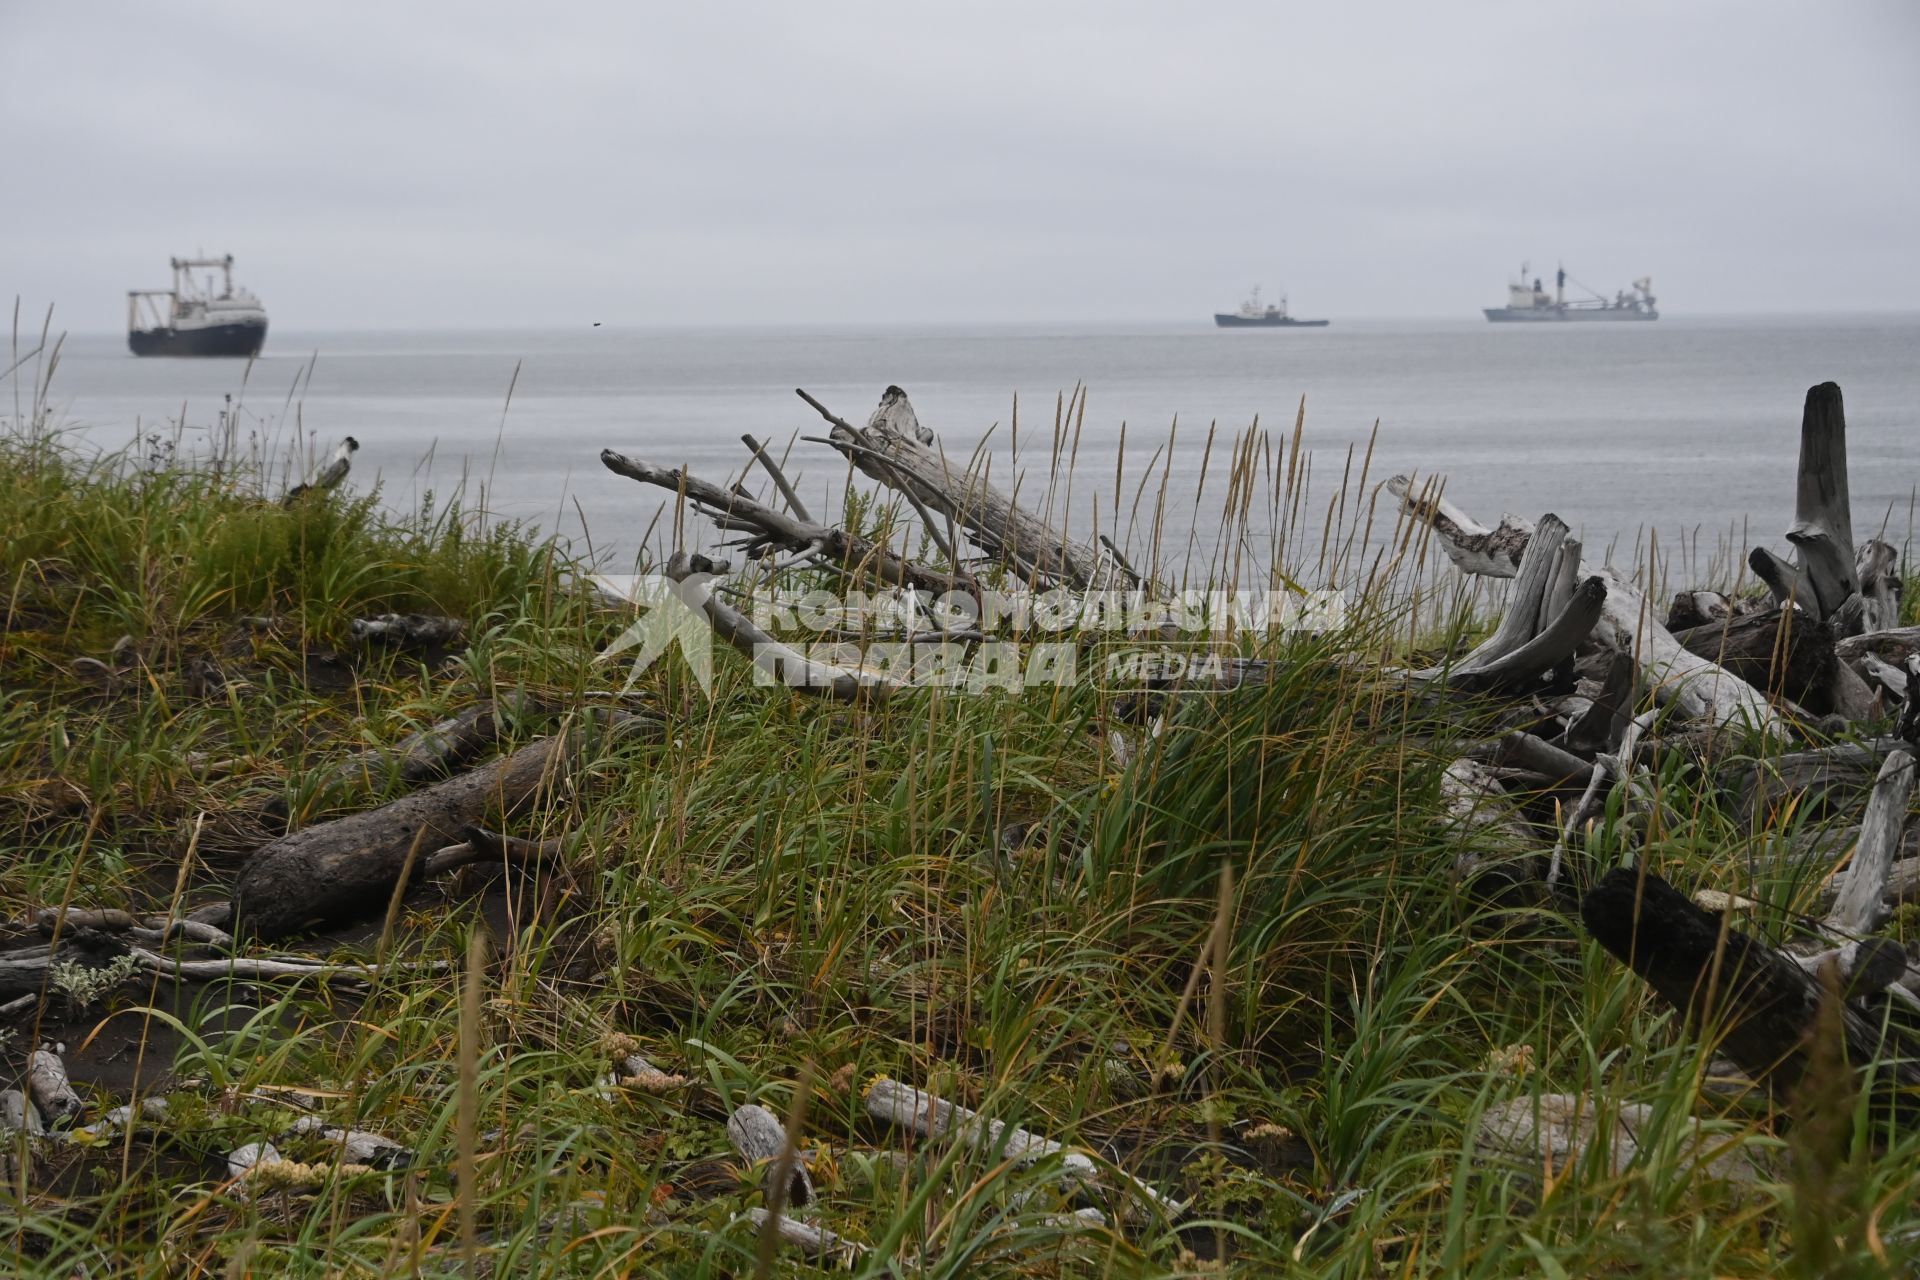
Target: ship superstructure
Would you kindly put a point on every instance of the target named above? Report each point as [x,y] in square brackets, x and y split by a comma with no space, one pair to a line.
[196,318]
[1531,302]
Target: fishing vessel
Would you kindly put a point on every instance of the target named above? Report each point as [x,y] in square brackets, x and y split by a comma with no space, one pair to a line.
[1529,302]
[194,319]
[1252,315]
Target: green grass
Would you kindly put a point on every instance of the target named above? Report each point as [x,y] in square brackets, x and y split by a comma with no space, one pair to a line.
[1237,966]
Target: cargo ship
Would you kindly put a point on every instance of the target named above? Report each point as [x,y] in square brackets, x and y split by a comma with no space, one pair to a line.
[1252,315]
[1532,302]
[195,319]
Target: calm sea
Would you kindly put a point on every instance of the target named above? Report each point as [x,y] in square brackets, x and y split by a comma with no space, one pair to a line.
[1687,427]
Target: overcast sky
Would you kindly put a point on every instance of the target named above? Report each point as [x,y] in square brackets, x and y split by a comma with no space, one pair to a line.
[410,165]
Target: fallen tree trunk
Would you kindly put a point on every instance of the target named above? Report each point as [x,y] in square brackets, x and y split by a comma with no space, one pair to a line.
[1783,651]
[348,868]
[1756,1002]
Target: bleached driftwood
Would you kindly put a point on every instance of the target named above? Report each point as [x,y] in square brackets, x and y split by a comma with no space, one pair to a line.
[757,1134]
[408,630]
[817,1242]
[770,529]
[1822,575]
[47,1085]
[152,1112]
[1553,1131]
[932,1117]
[1553,644]
[1878,572]
[1487,828]
[357,1146]
[250,969]
[894,449]
[1894,646]
[481,845]
[783,662]
[107,919]
[1473,548]
[1858,909]
[1699,687]
[780,481]
[1521,618]
[18,1114]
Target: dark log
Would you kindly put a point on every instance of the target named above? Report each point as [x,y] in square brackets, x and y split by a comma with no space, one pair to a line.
[1783,651]
[1600,727]
[1909,729]
[425,754]
[1755,1001]
[1696,609]
[1813,781]
[439,748]
[1894,646]
[347,869]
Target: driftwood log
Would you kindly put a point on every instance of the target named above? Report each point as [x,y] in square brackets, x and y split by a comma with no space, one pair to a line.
[348,868]
[757,1134]
[1822,576]
[48,1087]
[932,1117]
[408,630]
[1756,1002]
[1698,686]
[894,449]
[1783,650]
[787,665]
[769,529]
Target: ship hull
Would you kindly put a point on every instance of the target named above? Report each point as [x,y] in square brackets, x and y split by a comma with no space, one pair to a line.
[1557,315]
[1262,322]
[213,340]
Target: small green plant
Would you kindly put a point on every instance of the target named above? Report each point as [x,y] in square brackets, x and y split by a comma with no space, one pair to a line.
[84,986]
